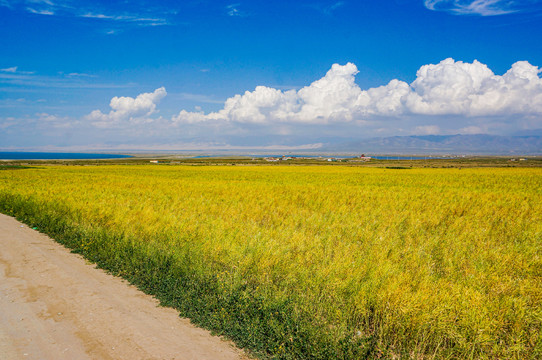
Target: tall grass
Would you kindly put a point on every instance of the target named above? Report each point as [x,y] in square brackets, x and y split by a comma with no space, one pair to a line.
[314,262]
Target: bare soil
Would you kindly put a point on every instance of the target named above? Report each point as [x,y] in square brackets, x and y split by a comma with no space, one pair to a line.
[55,305]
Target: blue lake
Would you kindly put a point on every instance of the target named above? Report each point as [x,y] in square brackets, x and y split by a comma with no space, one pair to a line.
[56,156]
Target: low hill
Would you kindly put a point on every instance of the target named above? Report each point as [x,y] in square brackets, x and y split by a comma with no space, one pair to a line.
[445,144]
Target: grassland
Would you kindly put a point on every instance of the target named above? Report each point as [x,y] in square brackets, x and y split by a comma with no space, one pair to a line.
[172,159]
[313,261]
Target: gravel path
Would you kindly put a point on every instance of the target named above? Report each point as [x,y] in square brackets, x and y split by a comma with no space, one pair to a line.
[54,305]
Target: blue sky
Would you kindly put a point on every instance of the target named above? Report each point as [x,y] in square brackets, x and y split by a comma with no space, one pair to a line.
[403,67]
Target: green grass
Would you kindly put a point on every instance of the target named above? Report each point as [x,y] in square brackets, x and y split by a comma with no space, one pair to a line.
[13,167]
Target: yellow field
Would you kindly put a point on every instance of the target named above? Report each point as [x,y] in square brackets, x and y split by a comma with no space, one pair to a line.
[314,261]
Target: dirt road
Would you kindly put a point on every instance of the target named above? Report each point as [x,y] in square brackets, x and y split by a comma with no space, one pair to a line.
[54,305]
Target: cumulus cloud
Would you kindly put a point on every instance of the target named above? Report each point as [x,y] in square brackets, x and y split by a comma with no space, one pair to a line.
[449,97]
[129,109]
[447,88]
[472,89]
[473,7]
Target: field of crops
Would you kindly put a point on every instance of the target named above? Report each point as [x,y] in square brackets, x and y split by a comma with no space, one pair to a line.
[313,261]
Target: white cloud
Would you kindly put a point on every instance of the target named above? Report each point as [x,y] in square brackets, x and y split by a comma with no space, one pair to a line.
[6,123]
[447,88]
[47,2]
[40,12]
[472,7]
[143,21]
[75,74]
[56,121]
[26,80]
[449,97]
[188,117]
[427,130]
[10,69]
[474,90]
[233,10]
[14,72]
[128,109]
[329,99]
[151,16]
[39,122]
[47,117]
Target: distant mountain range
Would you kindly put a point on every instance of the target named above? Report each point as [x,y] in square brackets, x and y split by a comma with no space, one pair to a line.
[444,144]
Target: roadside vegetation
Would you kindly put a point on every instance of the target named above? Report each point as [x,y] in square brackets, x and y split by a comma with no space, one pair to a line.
[13,167]
[313,262]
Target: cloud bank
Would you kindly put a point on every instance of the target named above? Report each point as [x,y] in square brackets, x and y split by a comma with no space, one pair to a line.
[450,97]
[447,88]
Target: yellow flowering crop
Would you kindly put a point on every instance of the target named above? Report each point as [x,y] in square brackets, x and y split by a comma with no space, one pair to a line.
[314,261]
